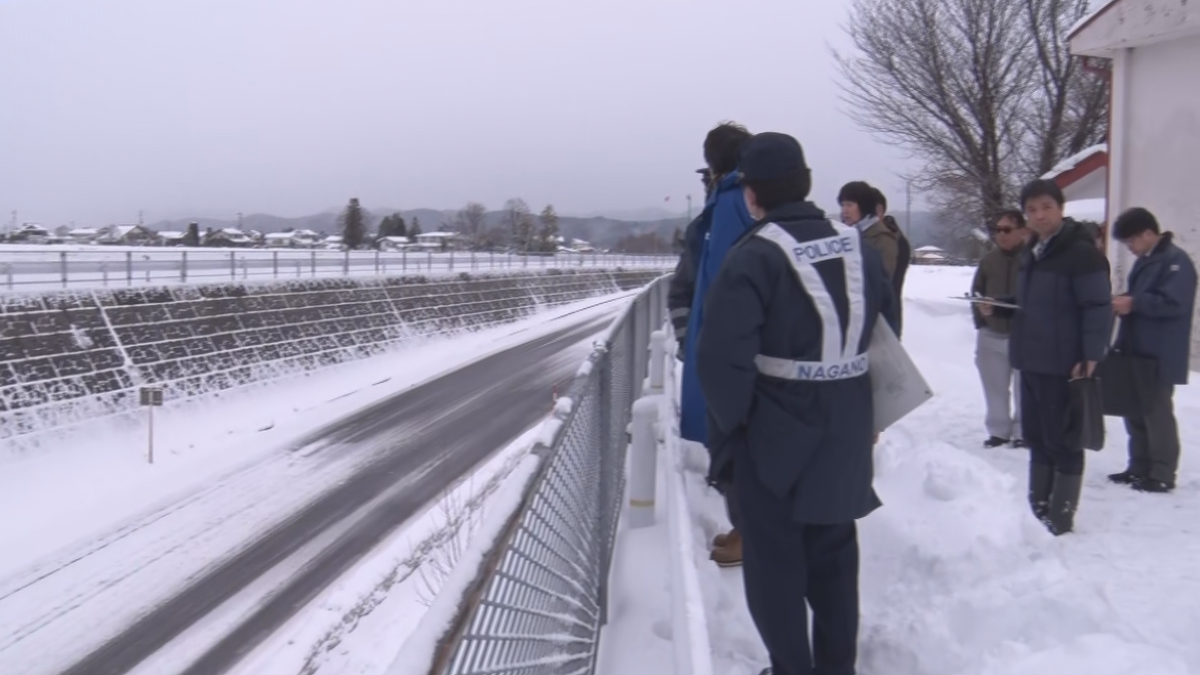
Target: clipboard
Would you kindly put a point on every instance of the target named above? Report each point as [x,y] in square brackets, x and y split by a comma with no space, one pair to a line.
[978,300]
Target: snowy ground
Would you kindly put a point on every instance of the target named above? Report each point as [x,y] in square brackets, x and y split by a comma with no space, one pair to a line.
[957,578]
[95,499]
[30,267]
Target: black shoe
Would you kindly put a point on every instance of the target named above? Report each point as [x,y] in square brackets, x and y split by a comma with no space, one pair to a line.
[1151,485]
[1064,500]
[1019,443]
[995,442]
[1124,478]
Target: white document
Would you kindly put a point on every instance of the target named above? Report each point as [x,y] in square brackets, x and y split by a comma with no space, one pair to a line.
[897,387]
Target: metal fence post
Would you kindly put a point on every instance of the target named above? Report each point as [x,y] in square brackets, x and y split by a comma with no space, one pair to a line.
[643,456]
[183,267]
[232,266]
[275,264]
[62,259]
[346,264]
[314,263]
[128,268]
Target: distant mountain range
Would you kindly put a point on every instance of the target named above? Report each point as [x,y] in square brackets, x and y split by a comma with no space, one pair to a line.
[602,231]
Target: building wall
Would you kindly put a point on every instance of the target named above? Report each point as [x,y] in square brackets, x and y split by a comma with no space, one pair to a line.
[1161,148]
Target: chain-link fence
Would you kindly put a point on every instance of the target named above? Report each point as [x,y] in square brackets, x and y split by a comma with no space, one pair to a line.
[542,597]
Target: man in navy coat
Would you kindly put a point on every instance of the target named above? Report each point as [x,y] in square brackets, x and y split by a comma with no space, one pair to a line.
[1156,322]
[783,364]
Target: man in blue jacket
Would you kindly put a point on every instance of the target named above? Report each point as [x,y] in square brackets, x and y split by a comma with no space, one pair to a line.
[1060,331]
[782,360]
[1156,322]
[727,219]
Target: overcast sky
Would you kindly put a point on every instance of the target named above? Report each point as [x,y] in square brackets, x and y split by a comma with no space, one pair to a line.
[211,107]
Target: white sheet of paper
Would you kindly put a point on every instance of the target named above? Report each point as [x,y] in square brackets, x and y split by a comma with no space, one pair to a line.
[897,386]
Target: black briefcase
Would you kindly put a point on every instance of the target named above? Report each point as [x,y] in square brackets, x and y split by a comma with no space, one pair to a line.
[1127,382]
[1087,413]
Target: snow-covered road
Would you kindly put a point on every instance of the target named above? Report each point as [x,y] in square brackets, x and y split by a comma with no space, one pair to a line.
[227,557]
[957,577]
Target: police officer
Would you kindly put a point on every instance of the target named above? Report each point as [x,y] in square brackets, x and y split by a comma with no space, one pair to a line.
[783,365]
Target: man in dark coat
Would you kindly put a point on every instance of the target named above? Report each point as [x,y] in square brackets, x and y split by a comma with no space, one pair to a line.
[683,282]
[1156,322]
[783,365]
[1060,332]
[903,248]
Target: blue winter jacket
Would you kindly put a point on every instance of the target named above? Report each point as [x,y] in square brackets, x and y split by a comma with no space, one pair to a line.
[1065,300]
[730,219]
[1163,288]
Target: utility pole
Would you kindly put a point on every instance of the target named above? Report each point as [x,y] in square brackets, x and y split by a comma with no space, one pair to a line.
[908,208]
[239,220]
[141,219]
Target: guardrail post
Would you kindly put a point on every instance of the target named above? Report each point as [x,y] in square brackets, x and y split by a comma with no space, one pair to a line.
[314,262]
[9,273]
[232,266]
[643,460]
[183,268]
[452,260]
[275,263]
[62,260]
[658,350]
[403,260]
[376,262]
[128,268]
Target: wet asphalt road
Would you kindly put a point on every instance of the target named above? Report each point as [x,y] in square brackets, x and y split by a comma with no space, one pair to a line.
[442,428]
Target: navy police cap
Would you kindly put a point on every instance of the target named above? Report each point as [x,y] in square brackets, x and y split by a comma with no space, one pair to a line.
[771,155]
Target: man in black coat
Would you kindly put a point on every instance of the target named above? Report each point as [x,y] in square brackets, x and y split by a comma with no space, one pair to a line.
[1060,331]
[1156,322]
[683,282]
[784,367]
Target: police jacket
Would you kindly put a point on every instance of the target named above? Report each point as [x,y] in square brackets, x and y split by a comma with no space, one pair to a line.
[1163,287]
[782,362]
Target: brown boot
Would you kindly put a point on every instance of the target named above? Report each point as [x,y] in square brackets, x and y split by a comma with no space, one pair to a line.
[729,555]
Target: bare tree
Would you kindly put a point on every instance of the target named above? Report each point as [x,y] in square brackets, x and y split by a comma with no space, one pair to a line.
[469,222]
[983,90]
[519,220]
[1069,112]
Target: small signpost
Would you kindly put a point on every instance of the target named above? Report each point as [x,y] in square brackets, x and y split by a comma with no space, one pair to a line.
[151,398]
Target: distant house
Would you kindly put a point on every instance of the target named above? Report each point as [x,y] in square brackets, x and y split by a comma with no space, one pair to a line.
[30,233]
[333,241]
[83,235]
[393,243]
[293,239]
[228,237]
[171,238]
[930,255]
[127,235]
[439,241]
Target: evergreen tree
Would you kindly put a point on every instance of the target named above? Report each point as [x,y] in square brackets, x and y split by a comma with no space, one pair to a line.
[192,238]
[415,229]
[353,223]
[548,233]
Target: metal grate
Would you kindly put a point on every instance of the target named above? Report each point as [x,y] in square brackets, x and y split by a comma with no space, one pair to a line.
[544,600]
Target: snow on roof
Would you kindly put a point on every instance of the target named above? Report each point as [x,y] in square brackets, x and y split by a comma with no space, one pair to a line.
[171,234]
[1086,209]
[437,235]
[928,249]
[232,232]
[84,232]
[1088,18]
[396,240]
[1074,160]
[280,235]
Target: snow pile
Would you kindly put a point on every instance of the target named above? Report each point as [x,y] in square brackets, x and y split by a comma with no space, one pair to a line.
[957,578]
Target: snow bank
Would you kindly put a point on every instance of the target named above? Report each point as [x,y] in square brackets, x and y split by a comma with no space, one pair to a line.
[416,656]
[957,577]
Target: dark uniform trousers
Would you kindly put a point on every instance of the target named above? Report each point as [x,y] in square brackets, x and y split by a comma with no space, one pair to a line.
[788,567]
[1046,422]
[1154,438]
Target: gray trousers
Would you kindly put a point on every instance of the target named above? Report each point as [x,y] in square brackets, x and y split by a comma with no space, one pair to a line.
[1154,439]
[1002,398]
